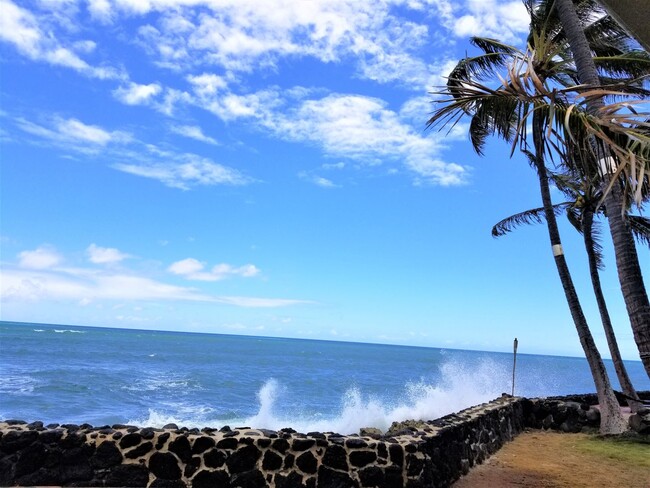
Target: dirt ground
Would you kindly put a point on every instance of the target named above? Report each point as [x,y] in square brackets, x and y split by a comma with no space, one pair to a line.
[544,459]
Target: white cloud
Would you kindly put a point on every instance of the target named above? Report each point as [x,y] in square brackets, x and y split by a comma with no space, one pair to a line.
[43,257]
[22,29]
[37,276]
[75,129]
[135,94]
[194,132]
[207,84]
[346,126]
[189,170]
[363,128]
[242,36]
[174,169]
[73,133]
[100,10]
[105,255]
[193,269]
[252,302]
[317,180]
[507,21]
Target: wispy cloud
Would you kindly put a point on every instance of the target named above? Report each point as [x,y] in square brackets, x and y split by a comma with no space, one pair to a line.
[317,180]
[353,127]
[172,168]
[43,257]
[22,29]
[74,134]
[38,275]
[192,269]
[135,94]
[187,171]
[194,132]
[105,255]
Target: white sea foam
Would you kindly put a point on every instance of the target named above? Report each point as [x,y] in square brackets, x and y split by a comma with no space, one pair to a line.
[69,331]
[459,387]
[17,384]
[154,382]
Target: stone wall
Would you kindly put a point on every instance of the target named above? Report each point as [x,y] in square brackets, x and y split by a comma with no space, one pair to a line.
[411,454]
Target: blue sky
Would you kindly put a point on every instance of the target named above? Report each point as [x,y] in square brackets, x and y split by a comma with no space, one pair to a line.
[262,167]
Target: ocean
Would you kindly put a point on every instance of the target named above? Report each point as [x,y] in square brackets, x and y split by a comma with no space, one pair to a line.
[103,376]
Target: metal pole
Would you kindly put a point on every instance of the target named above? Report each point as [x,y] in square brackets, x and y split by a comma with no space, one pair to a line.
[514,365]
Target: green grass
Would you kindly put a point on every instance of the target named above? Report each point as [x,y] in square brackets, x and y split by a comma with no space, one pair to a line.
[633,451]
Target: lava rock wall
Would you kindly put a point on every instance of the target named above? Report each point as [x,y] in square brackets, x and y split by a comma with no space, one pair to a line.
[411,454]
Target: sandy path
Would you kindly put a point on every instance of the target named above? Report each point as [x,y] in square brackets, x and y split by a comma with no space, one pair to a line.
[551,460]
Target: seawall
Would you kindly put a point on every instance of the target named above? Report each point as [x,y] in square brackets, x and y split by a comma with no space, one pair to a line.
[411,454]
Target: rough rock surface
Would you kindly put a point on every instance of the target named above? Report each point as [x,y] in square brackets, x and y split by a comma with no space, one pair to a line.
[412,453]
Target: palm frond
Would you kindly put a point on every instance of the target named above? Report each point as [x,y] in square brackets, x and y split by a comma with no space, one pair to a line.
[575,218]
[632,65]
[533,216]
[640,227]
[597,247]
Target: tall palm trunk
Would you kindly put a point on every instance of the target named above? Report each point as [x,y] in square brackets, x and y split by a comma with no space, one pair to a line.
[627,260]
[611,420]
[621,372]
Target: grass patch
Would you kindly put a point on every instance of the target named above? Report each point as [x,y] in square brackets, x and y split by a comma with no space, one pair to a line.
[633,451]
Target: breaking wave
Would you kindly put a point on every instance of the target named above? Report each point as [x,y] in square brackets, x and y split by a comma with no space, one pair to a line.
[459,386]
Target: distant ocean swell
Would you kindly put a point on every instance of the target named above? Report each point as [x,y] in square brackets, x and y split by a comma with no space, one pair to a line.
[72,374]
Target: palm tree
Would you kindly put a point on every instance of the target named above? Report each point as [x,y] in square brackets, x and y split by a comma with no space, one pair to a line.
[627,261]
[505,112]
[580,211]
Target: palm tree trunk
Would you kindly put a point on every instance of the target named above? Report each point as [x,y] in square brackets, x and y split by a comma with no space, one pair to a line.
[621,372]
[627,260]
[611,419]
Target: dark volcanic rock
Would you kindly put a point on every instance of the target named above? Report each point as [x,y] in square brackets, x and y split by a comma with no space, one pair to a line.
[281,445]
[214,458]
[147,433]
[30,459]
[243,459]
[336,457]
[362,458]
[211,479]
[307,463]
[161,483]
[50,436]
[130,440]
[249,479]
[42,477]
[355,443]
[192,467]
[130,475]
[271,461]
[181,447]
[414,465]
[15,440]
[302,444]
[165,465]
[202,444]
[328,478]
[228,443]
[371,476]
[139,451]
[162,438]
[106,455]
[293,480]
[396,454]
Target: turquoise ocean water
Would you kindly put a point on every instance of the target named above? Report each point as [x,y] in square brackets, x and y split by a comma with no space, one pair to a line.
[71,374]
